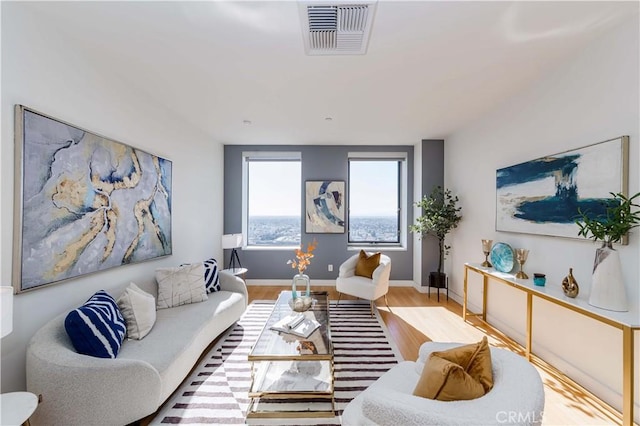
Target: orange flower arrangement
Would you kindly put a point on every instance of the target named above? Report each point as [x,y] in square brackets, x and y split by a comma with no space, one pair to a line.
[303,259]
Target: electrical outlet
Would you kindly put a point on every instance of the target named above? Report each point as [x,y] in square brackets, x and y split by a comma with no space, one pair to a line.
[330,268]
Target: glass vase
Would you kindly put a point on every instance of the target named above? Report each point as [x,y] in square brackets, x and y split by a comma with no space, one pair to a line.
[300,283]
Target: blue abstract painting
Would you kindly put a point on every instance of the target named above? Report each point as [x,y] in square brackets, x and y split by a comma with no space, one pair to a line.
[88,203]
[324,206]
[544,196]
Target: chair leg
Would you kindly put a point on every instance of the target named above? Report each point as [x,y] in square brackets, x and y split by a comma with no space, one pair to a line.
[339,296]
[386,302]
[371,305]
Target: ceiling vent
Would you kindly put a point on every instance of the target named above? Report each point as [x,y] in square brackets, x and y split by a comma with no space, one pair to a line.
[336,29]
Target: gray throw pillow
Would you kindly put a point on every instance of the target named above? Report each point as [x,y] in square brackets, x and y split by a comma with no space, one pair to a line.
[139,311]
[180,285]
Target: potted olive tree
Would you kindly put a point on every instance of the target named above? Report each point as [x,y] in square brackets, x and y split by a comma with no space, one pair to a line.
[439,216]
[607,286]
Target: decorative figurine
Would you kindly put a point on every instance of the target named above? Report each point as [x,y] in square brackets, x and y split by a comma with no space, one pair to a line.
[521,257]
[486,249]
[570,285]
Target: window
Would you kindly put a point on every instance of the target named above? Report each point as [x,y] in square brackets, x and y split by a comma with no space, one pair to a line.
[377,191]
[271,199]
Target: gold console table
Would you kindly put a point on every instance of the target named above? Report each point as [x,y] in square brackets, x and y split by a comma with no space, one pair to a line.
[628,322]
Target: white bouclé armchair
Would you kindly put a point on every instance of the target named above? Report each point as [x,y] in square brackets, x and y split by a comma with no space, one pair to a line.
[363,287]
[517,396]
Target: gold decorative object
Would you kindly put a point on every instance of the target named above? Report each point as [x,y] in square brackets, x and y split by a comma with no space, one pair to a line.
[521,258]
[486,249]
[570,285]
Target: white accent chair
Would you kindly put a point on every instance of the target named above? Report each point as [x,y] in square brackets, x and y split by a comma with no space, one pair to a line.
[517,396]
[365,288]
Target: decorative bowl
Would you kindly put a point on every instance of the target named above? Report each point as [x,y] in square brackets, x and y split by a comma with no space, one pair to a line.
[301,304]
[502,257]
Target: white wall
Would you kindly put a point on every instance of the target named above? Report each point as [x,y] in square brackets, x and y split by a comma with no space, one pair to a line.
[592,97]
[42,71]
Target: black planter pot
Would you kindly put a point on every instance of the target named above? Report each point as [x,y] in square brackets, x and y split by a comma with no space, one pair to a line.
[438,281]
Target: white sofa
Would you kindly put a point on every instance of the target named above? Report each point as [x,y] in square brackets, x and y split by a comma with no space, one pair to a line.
[82,390]
[517,396]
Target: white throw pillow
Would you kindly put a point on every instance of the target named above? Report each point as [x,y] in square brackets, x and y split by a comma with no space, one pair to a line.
[181,285]
[139,311]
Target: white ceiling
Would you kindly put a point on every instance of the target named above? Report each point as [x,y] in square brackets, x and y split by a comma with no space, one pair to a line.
[431,67]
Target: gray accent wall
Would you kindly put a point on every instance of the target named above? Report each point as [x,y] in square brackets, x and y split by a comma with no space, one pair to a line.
[432,175]
[318,162]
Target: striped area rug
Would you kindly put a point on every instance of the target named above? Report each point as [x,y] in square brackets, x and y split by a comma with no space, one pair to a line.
[216,391]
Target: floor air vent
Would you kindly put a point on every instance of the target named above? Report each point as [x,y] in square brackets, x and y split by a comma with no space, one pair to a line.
[336,29]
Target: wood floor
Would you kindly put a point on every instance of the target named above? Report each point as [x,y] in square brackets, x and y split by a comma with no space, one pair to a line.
[413,319]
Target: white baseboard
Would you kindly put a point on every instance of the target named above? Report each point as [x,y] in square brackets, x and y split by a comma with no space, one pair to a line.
[331,283]
[443,292]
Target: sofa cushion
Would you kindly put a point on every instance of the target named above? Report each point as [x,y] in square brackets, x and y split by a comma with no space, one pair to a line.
[367,264]
[475,359]
[460,373]
[181,285]
[96,328]
[139,310]
[211,277]
[181,334]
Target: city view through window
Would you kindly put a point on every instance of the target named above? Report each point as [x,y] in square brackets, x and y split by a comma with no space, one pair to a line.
[374,200]
[274,203]
[275,209]
[286,230]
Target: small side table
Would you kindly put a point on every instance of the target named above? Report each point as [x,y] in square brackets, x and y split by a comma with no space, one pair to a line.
[17,407]
[238,272]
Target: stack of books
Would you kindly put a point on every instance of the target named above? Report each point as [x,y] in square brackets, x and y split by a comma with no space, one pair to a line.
[297,324]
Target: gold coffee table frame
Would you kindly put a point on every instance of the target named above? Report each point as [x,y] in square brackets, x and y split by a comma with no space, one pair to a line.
[276,359]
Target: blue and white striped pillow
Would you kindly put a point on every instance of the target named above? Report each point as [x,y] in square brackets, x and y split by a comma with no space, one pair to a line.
[211,278]
[97,328]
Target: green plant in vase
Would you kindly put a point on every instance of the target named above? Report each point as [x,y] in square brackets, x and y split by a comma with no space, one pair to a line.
[440,215]
[615,224]
[621,216]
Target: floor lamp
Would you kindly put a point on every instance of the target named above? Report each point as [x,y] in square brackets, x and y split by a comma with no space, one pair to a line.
[17,407]
[233,242]
[6,300]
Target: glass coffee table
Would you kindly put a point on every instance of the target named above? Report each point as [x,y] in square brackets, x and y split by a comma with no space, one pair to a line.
[292,376]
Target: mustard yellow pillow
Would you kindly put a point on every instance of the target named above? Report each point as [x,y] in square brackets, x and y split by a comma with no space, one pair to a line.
[367,264]
[447,381]
[475,359]
[460,373]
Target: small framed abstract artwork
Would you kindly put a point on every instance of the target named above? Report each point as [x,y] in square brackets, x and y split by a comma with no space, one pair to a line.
[324,210]
[544,196]
[84,203]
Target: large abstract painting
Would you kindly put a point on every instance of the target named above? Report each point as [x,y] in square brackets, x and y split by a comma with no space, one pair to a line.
[543,196]
[86,203]
[324,206]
